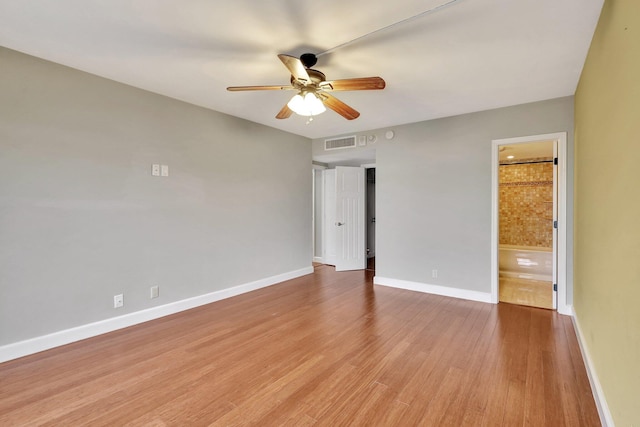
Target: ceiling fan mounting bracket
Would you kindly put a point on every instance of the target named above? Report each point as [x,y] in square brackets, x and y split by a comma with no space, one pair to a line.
[308,60]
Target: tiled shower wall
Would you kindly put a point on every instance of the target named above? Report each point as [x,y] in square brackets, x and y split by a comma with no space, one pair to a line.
[526,204]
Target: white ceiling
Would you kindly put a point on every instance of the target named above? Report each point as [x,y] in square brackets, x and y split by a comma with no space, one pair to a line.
[528,151]
[473,55]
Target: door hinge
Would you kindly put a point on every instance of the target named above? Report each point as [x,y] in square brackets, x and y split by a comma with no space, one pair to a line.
[555,160]
[555,224]
[555,287]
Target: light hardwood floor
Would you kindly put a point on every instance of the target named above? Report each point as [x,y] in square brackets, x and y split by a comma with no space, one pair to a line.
[327,349]
[534,293]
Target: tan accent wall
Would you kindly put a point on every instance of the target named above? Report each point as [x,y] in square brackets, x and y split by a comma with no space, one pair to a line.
[607,212]
[526,204]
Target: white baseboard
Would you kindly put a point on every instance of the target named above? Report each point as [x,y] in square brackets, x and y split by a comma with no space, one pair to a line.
[433,289]
[566,309]
[318,259]
[56,339]
[596,388]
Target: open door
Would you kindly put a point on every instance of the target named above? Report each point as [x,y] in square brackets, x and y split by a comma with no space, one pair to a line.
[350,222]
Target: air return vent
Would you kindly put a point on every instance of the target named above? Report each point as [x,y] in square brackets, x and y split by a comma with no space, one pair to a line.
[338,143]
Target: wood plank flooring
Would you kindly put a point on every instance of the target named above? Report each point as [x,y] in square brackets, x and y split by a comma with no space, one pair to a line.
[327,349]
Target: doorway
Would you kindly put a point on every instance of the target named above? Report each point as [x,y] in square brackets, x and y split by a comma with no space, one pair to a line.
[371,217]
[344,217]
[317,179]
[529,221]
[525,215]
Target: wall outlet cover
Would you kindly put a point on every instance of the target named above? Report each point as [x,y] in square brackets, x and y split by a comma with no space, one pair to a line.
[118,301]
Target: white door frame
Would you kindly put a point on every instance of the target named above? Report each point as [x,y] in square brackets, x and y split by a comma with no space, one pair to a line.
[314,220]
[329,217]
[561,142]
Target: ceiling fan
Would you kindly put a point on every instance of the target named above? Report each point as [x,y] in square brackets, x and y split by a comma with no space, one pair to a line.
[313,89]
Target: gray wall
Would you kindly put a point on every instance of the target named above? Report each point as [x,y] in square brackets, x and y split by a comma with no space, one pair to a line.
[82,219]
[433,192]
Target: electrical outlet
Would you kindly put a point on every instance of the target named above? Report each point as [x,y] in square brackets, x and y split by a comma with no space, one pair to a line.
[118,301]
[155,291]
[155,170]
[434,274]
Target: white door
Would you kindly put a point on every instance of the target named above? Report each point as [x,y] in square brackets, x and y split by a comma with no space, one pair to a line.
[350,219]
[329,220]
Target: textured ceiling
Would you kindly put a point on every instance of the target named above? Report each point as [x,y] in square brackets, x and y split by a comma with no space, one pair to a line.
[470,56]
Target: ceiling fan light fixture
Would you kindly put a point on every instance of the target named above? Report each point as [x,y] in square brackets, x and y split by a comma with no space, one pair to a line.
[307,104]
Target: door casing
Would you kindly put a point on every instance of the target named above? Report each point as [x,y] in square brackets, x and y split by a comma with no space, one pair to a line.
[560,139]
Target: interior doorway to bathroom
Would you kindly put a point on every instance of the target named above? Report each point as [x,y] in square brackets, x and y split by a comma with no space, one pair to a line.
[526,215]
[529,239]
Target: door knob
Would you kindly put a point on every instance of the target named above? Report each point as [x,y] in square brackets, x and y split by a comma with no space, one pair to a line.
[339,223]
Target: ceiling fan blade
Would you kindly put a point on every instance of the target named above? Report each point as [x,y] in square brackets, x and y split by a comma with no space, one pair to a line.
[338,106]
[285,113]
[362,83]
[295,67]
[243,88]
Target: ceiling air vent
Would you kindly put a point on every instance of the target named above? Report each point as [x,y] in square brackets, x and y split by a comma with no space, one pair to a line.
[338,143]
